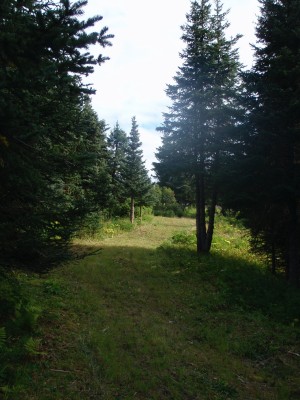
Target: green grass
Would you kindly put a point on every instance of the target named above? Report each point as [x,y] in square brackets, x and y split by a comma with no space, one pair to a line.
[145,318]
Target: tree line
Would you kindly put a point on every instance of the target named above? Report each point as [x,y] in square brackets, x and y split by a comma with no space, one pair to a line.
[58,165]
[231,136]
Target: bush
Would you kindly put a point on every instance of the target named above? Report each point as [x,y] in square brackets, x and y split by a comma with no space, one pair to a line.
[184,238]
[164,213]
[91,225]
[175,211]
[189,212]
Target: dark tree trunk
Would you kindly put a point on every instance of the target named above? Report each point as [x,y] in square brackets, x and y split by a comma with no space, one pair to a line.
[293,248]
[213,204]
[273,254]
[132,210]
[211,220]
[200,214]
[294,260]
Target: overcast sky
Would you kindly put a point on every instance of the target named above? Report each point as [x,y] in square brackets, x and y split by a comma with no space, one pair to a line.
[144,58]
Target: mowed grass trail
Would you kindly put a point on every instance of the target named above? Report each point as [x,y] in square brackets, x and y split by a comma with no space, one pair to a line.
[144,318]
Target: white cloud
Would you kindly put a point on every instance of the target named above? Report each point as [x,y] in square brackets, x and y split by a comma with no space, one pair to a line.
[145,56]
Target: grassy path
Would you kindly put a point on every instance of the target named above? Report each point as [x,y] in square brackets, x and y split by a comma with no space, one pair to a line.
[140,322]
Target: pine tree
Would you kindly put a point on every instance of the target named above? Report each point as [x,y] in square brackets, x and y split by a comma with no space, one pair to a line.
[41,113]
[273,142]
[137,181]
[198,128]
[117,143]
[90,159]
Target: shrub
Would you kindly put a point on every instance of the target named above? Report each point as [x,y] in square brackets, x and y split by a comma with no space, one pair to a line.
[164,213]
[189,212]
[184,238]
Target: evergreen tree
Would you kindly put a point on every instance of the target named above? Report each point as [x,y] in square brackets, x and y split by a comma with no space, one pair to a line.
[270,176]
[90,160]
[43,141]
[117,143]
[198,128]
[137,181]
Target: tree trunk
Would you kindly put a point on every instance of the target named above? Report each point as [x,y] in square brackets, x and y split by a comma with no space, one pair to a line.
[213,204]
[132,210]
[141,213]
[211,220]
[273,255]
[294,260]
[293,249]
[200,214]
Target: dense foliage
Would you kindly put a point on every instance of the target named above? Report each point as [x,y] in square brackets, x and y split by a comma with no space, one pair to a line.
[57,169]
[274,84]
[51,148]
[266,172]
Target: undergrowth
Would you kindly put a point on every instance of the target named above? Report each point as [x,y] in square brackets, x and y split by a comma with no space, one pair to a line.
[100,228]
[19,341]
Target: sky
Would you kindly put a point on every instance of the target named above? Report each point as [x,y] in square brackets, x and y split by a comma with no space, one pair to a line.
[144,58]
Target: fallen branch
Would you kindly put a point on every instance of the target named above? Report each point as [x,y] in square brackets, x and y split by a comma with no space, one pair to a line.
[87,254]
[61,370]
[294,354]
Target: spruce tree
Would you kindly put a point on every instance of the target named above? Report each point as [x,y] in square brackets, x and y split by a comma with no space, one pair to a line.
[90,160]
[137,181]
[197,130]
[43,141]
[117,143]
[270,167]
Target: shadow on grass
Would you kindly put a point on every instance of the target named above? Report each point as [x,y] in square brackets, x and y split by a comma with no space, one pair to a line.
[151,315]
[239,283]
[124,320]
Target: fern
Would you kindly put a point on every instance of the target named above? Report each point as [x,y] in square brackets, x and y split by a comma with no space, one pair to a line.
[26,316]
[32,346]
